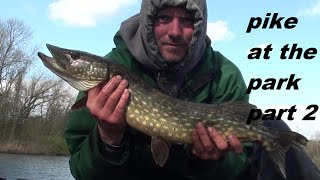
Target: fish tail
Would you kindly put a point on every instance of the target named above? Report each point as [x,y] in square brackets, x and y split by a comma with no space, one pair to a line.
[286,140]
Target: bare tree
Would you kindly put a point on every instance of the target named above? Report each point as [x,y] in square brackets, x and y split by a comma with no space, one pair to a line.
[31,105]
[15,59]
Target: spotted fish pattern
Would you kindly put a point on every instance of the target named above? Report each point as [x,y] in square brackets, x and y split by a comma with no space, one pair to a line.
[161,116]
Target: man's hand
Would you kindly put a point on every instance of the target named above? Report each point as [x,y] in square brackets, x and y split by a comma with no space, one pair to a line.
[209,144]
[107,104]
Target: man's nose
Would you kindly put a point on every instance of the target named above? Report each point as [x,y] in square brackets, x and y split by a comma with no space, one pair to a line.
[175,28]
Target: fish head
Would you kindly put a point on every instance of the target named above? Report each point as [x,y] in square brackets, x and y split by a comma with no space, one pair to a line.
[79,69]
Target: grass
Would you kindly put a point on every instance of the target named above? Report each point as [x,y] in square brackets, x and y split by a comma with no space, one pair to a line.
[46,146]
[57,145]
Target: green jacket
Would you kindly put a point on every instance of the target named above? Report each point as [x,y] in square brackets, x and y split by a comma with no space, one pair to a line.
[215,79]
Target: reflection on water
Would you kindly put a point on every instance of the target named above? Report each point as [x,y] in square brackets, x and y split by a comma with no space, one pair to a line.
[15,166]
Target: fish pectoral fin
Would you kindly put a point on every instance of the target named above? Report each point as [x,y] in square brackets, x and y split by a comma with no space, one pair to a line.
[81,103]
[160,150]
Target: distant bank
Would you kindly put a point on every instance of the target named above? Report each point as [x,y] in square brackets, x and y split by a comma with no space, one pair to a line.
[55,146]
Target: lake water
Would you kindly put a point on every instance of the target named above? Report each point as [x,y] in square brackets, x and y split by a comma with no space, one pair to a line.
[34,167]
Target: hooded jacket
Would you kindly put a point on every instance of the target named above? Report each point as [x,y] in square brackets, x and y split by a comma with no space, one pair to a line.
[215,79]
[204,76]
[138,35]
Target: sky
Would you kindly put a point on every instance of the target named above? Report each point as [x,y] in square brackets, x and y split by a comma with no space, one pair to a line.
[90,25]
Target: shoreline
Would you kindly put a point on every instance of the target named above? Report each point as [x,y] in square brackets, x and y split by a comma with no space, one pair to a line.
[51,147]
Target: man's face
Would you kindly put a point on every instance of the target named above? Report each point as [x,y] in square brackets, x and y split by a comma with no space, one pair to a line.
[173,28]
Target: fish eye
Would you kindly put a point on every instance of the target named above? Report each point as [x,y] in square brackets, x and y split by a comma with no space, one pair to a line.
[75,56]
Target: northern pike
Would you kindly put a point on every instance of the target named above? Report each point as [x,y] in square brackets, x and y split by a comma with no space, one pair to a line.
[168,119]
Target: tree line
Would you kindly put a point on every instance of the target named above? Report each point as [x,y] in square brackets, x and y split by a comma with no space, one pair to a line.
[33,104]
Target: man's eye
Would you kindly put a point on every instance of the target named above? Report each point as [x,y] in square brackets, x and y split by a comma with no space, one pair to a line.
[163,18]
[186,20]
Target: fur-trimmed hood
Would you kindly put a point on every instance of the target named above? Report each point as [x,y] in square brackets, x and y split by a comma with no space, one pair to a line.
[137,32]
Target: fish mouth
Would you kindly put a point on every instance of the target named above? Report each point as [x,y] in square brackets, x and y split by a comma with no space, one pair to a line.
[59,55]
[52,64]
[58,62]
[44,57]
[49,62]
[54,50]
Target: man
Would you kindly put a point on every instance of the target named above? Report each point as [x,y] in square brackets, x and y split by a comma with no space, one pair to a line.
[166,45]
